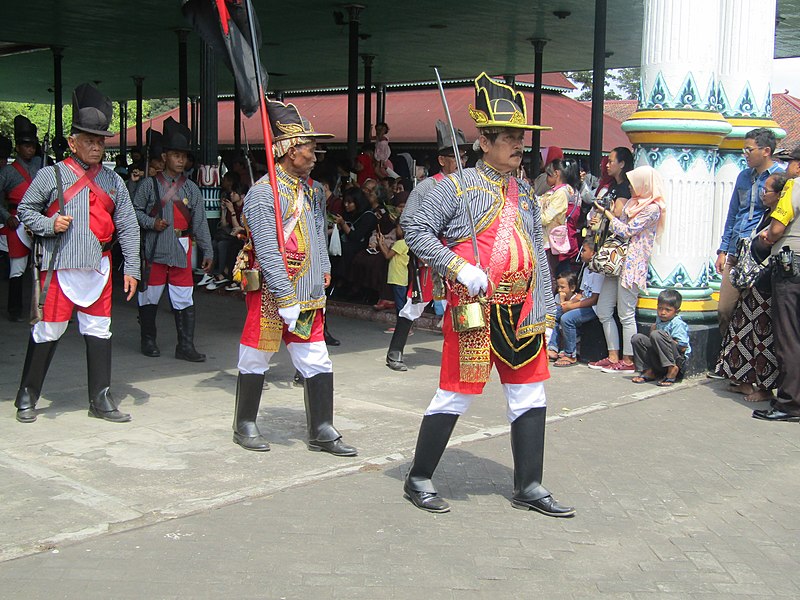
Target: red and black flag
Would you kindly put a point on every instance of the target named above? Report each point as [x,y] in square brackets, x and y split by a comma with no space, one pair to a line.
[223,25]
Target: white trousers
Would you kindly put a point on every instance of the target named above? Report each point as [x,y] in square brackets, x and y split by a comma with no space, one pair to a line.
[310,359]
[17,266]
[179,296]
[50,331]
[520,398]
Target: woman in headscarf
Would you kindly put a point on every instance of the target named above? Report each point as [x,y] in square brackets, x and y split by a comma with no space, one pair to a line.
[642,219]
[355,228]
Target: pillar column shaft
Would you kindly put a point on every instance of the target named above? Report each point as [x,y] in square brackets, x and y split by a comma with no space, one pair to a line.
[209,168]
[367,58]
[138,81]
[598,85]
[58,102]
[352,82]
[538,68]
[237,121]
[183,77]
[380,99]
[677,131]
[123,128]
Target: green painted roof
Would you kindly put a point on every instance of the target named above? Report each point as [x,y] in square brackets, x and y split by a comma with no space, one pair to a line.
[113,40]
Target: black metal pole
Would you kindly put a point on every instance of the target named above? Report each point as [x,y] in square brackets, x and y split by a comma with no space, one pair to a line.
[237,120]
[58,101]
[193,116]
[183,76]
[380,98]
[510,80]
[598,85]
[538,68]
[279,95]
[367,58]
[123,129]
[138,81]
[208,106]
[352,82]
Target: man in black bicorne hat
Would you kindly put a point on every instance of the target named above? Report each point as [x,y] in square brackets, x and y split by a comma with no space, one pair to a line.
[498,306]
[14,182]
[171,212]
[426,285]
[289,305]
[76,208]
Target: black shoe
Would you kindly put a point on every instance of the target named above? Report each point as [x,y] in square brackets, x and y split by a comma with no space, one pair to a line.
[336,447]
[26,415]
[330,340]
[775,414]
[115,416]
[184,324]
[394,360]
[254,443]
[547,506]
[428,501]
[147,324]
[15,317]
[297,380]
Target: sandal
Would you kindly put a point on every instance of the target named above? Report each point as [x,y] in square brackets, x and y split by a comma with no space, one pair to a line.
[552,355]
[642,379]
[565,361]
[666,382]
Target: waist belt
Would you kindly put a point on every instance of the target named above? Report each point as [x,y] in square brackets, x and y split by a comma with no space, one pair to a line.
[12,206]
[512,288]
[106,246]
[182,232]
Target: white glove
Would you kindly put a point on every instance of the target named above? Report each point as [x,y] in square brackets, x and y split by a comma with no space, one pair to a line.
[475,279]
[290,315]
[548,332]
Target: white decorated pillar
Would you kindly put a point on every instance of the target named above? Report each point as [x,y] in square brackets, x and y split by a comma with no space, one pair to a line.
[677,130]
[744,95]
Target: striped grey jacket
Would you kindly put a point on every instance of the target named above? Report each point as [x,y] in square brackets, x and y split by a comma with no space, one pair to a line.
[440,221]
[10,178]
[80,249]
[414,199]
[163,246]
[307,288]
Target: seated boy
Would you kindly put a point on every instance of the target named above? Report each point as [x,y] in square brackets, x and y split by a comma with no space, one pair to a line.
[574,312]
[666,349]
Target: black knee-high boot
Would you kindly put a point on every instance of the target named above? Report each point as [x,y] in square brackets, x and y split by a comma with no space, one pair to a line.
[322,435]
[394,357]
[98,362]
[147,323]
[37,362]
[434,433]
[184,324]
[248,399]
[527,448]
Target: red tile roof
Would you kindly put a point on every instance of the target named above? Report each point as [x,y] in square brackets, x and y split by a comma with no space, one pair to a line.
[411,115]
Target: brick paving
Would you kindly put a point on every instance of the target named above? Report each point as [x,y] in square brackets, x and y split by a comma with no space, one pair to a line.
[680,494]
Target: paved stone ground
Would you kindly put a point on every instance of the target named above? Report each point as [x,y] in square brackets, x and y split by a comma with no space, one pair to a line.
[679,494]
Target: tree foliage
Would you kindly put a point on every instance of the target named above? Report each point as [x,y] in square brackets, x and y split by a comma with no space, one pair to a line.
[41,115]
[624,81]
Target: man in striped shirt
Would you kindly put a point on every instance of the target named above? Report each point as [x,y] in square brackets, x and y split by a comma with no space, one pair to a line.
[14,182]
[76,208]
[483,233]
[170,210]
[289,305]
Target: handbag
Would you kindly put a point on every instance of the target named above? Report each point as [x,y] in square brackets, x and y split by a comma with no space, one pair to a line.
[610,257]
[749,271]
[559,235]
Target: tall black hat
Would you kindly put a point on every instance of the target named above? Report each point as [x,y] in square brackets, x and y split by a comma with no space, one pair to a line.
[499,105]
[176,136]
[91,110]
[5,147]
[154,142]
[444,142]
[24,131]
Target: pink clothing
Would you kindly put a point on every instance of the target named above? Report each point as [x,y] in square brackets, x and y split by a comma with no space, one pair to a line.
[640,231]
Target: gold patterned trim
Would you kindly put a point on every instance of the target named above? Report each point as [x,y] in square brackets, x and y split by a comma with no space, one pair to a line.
[455,267]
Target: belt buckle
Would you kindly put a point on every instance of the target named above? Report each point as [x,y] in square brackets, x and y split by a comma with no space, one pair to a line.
[178,232]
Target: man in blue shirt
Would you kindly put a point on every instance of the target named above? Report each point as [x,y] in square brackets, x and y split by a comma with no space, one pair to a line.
[744,212]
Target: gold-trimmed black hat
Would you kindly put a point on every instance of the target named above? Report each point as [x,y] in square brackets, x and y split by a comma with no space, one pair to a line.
[91,110]
[24,130]
[444,142]
[176,136]
[287,122]
[499,105]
